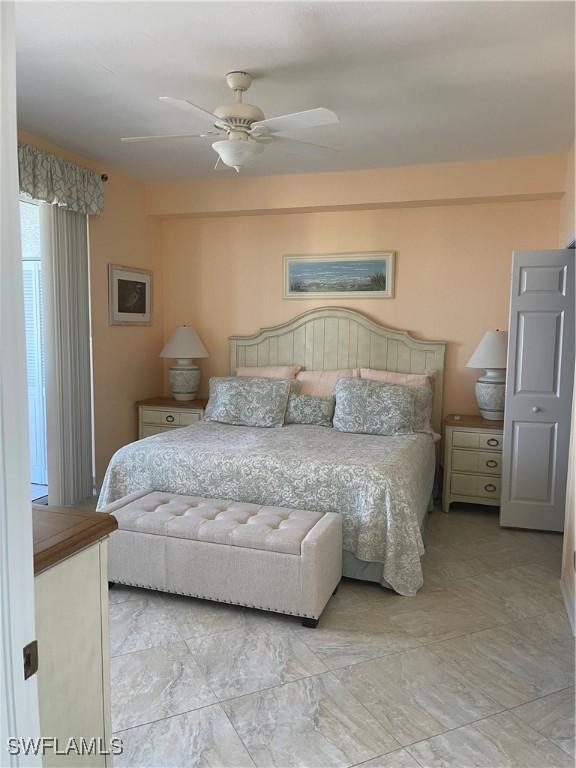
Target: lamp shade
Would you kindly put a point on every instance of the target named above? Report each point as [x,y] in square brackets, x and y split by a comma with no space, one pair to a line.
[184,343]
[491,352]
[237,154]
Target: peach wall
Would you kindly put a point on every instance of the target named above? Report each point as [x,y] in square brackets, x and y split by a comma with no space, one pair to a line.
[510,178]
[454,227]
[224,274]
[126,363]
[568,204]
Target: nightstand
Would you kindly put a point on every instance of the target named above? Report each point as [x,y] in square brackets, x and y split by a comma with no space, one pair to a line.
[160,414]
[472,460]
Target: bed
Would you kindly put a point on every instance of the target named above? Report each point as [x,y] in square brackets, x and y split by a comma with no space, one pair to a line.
[381,485]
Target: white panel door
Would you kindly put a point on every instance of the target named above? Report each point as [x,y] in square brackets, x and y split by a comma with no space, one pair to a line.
[539,384]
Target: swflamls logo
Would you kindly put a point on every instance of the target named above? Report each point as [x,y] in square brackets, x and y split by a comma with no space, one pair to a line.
[44,745]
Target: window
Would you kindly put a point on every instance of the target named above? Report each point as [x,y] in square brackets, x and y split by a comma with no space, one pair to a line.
[35,358]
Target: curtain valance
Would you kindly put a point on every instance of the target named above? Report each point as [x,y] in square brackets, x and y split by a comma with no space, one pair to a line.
[52,179]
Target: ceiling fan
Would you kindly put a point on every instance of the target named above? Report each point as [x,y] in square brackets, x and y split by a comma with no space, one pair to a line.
[243,130]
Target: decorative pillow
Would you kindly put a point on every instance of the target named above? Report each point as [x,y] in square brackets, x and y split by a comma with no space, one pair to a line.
[396,377]
[308,409]
[323,382]
[248,402]
[270,371]
[371,408]
[421,383]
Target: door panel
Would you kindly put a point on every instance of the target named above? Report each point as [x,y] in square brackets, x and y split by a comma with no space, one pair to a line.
[543,279]
[538,390]
[533,454]
[542,331]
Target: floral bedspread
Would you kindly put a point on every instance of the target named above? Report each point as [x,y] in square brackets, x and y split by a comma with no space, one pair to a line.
[378,484]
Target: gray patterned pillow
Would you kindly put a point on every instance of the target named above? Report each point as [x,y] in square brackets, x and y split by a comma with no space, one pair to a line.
[309,409]
[369,407]
[423,400]
[247,401]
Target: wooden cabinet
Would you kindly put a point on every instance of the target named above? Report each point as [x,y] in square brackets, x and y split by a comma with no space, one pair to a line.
[161,414]
[472,461]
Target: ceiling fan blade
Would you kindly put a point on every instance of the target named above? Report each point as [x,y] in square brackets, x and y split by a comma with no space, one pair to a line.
[296,146]
[297,121]
[188,106]
[162,136]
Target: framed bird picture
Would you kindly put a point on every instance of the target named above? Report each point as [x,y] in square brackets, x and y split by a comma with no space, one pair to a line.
[130,295]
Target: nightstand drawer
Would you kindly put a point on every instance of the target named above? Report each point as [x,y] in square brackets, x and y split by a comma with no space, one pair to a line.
[162,414]
[157,416]
[476,461]
[490,442]
[189,417]
[482,486]
[147,430]
[462,439]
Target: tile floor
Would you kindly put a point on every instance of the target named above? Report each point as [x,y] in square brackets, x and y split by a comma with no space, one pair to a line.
[477,670]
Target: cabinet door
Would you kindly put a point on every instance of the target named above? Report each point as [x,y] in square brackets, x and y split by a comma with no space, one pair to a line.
[539,385]
[73,671]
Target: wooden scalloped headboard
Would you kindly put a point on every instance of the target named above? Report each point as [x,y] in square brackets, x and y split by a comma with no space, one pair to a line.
[333,337]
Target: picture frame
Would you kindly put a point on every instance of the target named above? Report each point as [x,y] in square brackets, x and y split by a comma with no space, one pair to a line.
[129,295]
[340,276]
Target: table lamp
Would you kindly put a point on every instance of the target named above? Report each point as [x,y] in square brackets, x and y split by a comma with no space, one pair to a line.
[184,345]
[490,388]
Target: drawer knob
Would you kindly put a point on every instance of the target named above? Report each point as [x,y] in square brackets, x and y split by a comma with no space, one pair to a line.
[491,463]
[170,419]
[493,441]
[490,487]
[535,409]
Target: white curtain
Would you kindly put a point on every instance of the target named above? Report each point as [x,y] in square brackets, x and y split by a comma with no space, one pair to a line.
[18,697]
[64,235]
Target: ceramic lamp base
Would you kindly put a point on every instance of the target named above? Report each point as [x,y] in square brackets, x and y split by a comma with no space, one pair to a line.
[184,380]
[490,394]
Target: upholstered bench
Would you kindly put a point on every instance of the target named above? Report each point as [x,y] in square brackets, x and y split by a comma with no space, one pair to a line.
[273,558]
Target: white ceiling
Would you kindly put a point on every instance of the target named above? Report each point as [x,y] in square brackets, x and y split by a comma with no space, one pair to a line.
[412,82]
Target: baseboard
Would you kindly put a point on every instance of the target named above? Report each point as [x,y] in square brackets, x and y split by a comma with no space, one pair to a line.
[569,604]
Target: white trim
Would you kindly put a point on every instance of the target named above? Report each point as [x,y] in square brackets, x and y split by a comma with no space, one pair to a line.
[18,697]
[569,602]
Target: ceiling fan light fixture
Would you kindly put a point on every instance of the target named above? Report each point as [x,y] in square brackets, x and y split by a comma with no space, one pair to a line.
[237,154]
[245,125]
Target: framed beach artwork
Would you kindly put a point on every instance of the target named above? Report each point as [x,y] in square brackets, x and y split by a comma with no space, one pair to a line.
[130,295]
[340,276]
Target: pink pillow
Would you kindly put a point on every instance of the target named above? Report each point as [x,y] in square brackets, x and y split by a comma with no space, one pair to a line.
[395,377]
[270,371]
[321,383]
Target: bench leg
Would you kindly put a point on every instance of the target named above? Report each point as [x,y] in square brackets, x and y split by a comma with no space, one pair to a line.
[312,623]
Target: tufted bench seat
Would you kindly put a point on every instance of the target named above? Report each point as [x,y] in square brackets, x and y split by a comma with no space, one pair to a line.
[274,558]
